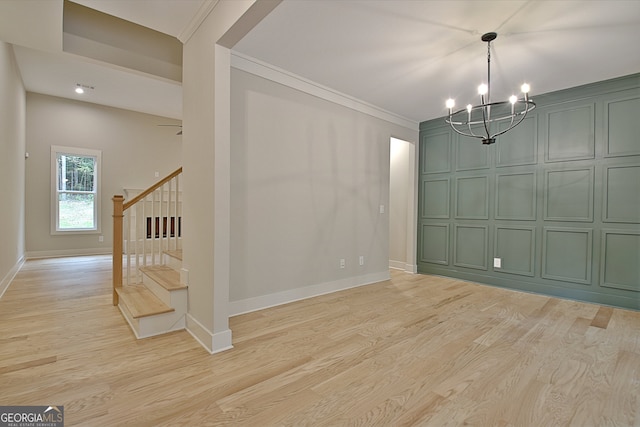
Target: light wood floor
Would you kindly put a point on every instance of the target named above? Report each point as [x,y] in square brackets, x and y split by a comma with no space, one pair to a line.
[416,350]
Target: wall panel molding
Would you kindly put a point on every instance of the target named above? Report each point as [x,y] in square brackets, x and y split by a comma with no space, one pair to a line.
[519,146]
[435,157]
[472,197]
[516,247]
[570,132]
[567,254]
[434,243]
[619,263]
[568,194]
[621,125]
[516,196]
[470,246]
[470,155]
[434,203]
[621,198]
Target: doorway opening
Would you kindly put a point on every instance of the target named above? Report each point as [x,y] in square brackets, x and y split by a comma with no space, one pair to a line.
[402,205]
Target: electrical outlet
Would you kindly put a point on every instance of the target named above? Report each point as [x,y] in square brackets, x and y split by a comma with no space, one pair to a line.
[342,263]
[497,263]
[361,260]
[381,209]
[100,239]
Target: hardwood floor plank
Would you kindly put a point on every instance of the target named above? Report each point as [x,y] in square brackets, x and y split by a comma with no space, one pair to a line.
[413,350]
[602,317]
[28,364]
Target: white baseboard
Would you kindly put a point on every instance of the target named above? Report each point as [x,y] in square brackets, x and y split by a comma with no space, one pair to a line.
[265,301]
[400,265]
[67,252]
[8,278]
[396,265]
[213,343]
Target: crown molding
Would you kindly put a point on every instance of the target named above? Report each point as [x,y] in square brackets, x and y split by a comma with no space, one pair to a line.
[204,11]
[278,75]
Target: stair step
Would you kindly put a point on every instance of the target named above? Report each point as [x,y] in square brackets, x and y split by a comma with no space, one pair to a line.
[141,302]
[165,276]
[177,254]
[173,259]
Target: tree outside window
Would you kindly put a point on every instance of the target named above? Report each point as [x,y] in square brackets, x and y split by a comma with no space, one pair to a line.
[76,186]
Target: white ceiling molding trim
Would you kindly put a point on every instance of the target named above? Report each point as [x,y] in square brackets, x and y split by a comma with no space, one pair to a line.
[278,75]
[197,19]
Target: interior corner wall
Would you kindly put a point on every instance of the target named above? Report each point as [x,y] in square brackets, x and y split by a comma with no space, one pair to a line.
[556,200]
[12,166]
[309,178]
[133,148]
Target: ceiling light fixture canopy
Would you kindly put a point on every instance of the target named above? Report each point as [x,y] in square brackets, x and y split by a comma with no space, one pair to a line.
[505,116]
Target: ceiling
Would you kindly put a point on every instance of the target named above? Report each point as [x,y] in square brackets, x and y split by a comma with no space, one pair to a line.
[402,56]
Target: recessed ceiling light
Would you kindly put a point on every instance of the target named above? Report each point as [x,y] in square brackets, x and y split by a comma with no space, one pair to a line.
[80,88]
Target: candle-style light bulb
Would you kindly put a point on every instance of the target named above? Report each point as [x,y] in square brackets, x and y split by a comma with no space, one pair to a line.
[483,89]
[450,103]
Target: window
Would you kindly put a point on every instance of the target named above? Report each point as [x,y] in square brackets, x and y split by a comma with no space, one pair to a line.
[76,190]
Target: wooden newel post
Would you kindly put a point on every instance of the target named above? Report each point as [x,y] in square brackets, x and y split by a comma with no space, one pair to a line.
[117,245]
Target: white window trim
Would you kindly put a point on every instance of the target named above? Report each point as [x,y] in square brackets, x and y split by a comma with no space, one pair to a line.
[55,150]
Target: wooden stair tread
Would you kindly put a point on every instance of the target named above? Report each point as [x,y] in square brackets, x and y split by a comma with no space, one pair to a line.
[141,302]
[177,254]
[165,276]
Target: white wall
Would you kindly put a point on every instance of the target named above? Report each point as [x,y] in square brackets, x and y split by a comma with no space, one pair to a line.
[133,149]
[308,178]
[206,183]
[12,166]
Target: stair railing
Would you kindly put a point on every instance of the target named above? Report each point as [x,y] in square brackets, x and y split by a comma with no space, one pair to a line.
[144,228]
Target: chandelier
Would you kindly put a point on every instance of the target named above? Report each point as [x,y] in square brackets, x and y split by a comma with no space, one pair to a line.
[489,119]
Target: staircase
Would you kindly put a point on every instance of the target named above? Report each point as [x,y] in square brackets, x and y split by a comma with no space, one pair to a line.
[158,304]
[147,241]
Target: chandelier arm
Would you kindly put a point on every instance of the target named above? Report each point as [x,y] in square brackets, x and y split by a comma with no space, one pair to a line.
[471,135]
[522,115]
[471,131]
[511,125]
[450,118]
[453,125]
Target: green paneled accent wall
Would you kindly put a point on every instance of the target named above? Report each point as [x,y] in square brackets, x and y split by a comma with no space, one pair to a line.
[516,196]
[434,244]
[556,200]
[472,197]
[566,254]
[435,199]
[470,248]
[622,200]
[515,246]
[568,195]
